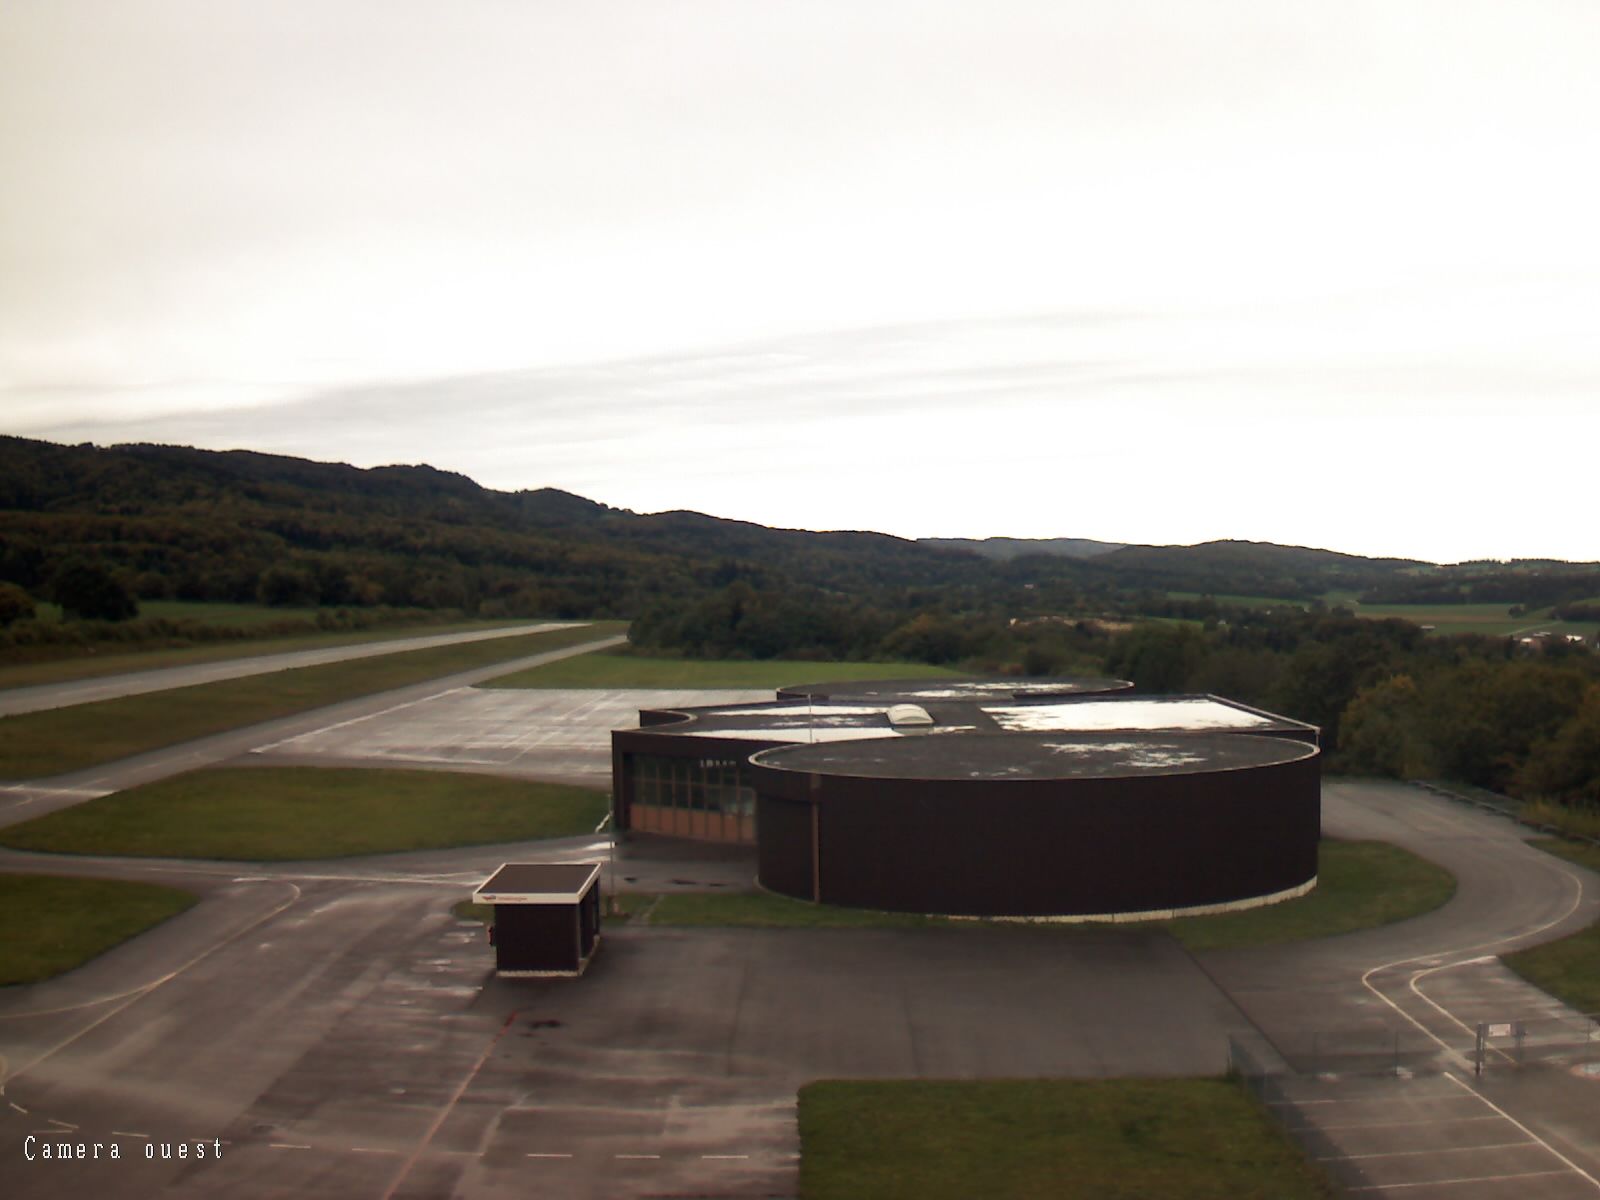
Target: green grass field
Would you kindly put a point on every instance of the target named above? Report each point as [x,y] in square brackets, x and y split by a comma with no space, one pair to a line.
[1361,885]
[115,659]
[1569,819]
[614,670]
[50,924]
[1569,968]
[1493,619]
[39,744]
[1118,1139]
[271,814]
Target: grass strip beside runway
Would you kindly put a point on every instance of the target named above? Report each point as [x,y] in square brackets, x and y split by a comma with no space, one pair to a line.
[1118,1139]
[1568,968]
[278,814]
[40,744]
[50,924]
[610,669]
[118,659]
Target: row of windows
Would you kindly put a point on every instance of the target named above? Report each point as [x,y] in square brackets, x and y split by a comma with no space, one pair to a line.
[699,785]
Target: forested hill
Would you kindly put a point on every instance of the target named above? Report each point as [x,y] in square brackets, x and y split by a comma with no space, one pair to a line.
[1252,569]
[174,522]
[236,526]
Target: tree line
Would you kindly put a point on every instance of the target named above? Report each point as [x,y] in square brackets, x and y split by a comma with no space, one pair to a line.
[1390,700]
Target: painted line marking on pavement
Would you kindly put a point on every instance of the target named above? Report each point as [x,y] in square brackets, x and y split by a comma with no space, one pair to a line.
[1424,960]
[354,720]
[1397,1124]
[723,1157]
[139,993]
[439,1120]
[61,1124]
[1412,1153]
[288,1146]
[371,1150]
[1595,1183]
[18,1107]
[547,1156]
[129,1133]
[1390,1187]
[1367,1100]
[636,1156]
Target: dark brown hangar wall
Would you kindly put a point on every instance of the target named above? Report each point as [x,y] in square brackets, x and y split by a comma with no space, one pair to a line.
[1077,846]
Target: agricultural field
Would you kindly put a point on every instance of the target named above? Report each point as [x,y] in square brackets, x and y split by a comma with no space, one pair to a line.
[1493,619]
[1240,601]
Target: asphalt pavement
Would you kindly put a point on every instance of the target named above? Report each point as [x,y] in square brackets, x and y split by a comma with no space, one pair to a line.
[31,798]
[135,683]
[331,1029]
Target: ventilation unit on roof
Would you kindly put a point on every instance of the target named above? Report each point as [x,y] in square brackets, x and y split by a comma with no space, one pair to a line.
[909,714]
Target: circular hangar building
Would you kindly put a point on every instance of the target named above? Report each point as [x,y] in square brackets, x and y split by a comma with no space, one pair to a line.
[1086,825]
[1061,798]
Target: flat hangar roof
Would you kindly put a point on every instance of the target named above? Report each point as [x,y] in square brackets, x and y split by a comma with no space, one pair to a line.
[836,720]
[915,691]
[1036,756]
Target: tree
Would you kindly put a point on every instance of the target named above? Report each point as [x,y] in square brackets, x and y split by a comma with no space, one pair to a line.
[15,604]
[1567,766]
[1158,658]
[91,593]
[287,587]
[1377,734]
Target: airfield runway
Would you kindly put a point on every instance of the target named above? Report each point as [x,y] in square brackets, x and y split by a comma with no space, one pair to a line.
[333,1030]
[135,683]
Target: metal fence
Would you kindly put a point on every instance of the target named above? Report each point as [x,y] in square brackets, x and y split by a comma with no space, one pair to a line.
[1514,1043]
[1368,1051]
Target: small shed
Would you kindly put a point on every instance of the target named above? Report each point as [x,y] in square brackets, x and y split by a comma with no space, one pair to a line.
[546,917]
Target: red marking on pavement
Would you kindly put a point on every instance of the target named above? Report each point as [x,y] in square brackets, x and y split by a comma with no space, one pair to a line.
[438,1122]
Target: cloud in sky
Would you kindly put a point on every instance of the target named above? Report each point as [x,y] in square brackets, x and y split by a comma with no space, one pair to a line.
[1321,273]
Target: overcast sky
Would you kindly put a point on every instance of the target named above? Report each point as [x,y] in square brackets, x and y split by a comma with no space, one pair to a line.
[1324,272]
